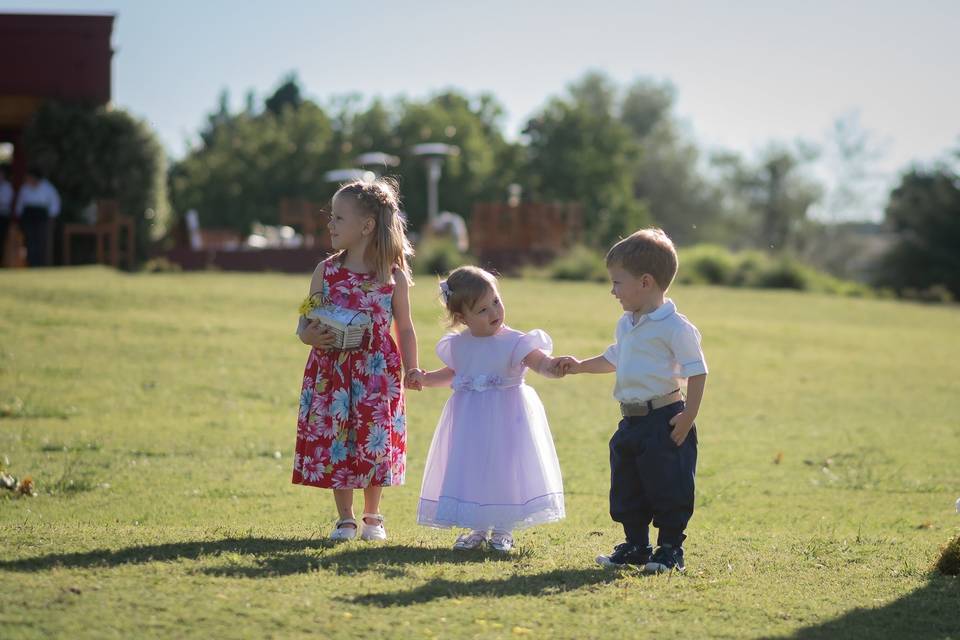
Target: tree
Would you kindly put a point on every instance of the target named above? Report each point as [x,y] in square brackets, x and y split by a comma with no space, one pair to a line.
[768,200]
[666,175]
[481,170]
[850,155]
[287,96]
[248,163]
[580,150]
[96,153]
[924,213]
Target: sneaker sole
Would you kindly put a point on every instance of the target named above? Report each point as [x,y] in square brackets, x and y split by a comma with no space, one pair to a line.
[604,561]
[656,567]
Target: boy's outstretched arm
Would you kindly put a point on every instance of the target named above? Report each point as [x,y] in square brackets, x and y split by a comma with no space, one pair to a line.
[596,364]
[683,421]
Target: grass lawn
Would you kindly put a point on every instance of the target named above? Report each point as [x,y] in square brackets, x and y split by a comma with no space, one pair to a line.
[156,415]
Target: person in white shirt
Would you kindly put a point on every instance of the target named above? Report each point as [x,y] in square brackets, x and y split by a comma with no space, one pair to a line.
[653,454]
[6,207]
[37,204]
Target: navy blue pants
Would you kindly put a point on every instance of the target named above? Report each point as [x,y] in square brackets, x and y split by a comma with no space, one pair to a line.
[651,478]
[35,224]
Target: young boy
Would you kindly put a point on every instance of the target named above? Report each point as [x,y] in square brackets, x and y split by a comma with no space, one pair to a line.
[653,454]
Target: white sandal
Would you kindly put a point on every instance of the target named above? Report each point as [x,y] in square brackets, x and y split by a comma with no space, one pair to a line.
[373,531]
[501,541]
[470,540]
[342,530]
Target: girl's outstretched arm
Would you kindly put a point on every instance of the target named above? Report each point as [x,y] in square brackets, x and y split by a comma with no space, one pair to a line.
[406,336]
[543,364]
[438,378]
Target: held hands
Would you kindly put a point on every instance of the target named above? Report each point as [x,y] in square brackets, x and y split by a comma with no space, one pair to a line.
[317,335]
[414,379]
[564,365]
[682,423]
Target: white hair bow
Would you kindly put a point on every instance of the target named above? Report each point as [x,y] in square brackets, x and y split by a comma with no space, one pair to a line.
[445,291]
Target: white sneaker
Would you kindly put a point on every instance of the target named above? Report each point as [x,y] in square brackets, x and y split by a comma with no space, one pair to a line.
[501,541]
[373,531]
[343,531]
[470,540]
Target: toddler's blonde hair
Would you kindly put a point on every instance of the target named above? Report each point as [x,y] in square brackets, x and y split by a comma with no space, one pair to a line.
[462,288]
[646,251]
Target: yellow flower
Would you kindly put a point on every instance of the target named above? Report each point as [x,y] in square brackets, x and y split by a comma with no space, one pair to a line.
[311,302]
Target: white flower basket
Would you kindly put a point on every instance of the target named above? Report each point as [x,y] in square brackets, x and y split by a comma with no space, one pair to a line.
[348,326]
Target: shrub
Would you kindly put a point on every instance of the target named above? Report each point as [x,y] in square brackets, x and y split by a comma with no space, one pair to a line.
[438,256]
[785,274]
[580,263]
[99,153]
[707,264]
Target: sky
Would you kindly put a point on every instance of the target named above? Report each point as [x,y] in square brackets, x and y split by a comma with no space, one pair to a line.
[746,73]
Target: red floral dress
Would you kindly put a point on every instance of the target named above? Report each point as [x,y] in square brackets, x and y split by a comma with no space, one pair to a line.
[351,430]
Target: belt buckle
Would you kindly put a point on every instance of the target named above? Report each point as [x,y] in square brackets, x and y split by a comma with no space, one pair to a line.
[634,409]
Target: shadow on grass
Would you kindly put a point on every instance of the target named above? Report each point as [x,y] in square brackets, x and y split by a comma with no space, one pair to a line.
[541,584]
[931,612]
[388,561]
[272,557]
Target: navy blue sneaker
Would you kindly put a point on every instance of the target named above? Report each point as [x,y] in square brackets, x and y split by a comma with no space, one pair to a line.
[627,554]
[666,558]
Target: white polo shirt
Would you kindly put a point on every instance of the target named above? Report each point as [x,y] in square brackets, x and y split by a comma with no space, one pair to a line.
[654,355]
[42,194]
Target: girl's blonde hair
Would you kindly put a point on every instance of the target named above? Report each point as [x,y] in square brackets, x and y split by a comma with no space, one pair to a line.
[389,247]
[462,288]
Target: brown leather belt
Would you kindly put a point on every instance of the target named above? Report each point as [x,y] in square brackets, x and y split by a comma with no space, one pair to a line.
[637,409]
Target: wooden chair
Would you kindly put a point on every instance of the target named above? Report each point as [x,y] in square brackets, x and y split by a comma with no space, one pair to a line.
[106,232]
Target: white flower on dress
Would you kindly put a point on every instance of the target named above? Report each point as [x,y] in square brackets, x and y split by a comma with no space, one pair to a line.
[477,383]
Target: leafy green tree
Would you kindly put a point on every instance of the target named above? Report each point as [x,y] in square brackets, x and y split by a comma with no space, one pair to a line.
[578,149]
[247,162]
[666,174]
[769,199]
[287,96]
[477,173]
[96,153]
[924,213]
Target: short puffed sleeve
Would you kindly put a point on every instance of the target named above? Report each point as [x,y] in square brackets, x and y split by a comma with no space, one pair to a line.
[536,339]
[445,349]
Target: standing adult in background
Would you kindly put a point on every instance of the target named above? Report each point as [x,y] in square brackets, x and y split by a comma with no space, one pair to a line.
[6,208]
[37,204]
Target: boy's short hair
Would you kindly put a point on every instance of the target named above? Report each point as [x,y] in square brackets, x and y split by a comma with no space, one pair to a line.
[646,251]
